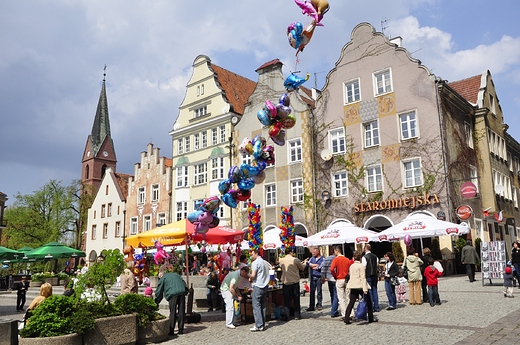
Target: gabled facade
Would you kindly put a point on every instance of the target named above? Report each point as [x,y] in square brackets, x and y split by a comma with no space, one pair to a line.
[106,216]
[289,181]
[202,135]
[149,190]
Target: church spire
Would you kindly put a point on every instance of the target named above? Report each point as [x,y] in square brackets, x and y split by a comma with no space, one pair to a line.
[101,126]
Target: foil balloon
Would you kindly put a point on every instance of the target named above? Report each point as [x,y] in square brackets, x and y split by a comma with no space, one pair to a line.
[264,119]
[224,186]
[214,223]
[259,178]
[269,108]
[282,111]
[293,82]
[234,174]
[243,195]
[279,139]
[298,39]
[284,99]
[229,200]
[246,147]
[205,218]
[194,216]
[201,228]
[275,129]
[211,204]
[314,8]
[268,154]
[289,121]
[255,170]
[246,184]
[407,240]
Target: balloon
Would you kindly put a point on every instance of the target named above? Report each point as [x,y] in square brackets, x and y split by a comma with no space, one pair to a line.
[407,240]
[268,154]
[246,184]
[234,174]
[214,223]
[270,109]
[264,118]
[211,204]
[194,216]
[201,228]
[229,200]
[258,168]
[224,186]
[293,82]
[257,149]
[284,99]
[205,218]
[259,178]
[282,111]
[314,8]
[246,147]
[299,39]
[243,195]
[279,139]
[275,129]
[289,121]
[258,138]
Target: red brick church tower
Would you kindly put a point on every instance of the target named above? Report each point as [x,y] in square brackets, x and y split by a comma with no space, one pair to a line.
[99,153]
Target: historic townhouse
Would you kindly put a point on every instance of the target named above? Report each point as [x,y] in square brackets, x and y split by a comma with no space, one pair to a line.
[202,135]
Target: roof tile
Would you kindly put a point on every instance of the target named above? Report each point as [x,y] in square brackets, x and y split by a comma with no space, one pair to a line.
[236,88]
[468,88]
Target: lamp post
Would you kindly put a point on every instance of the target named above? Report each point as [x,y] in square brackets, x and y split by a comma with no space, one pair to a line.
[231,148]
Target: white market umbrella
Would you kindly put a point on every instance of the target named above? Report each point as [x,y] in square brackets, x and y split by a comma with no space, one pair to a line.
[419,225]
[272,239]
[342,233]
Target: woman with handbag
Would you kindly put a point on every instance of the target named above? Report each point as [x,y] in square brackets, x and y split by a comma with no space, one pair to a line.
[358,287]
[391,272]
[413,264]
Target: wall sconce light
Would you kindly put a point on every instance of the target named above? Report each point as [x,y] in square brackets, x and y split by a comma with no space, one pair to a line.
[325,196]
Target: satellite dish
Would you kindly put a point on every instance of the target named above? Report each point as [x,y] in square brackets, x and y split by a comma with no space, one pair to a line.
[499,189]
[326,155]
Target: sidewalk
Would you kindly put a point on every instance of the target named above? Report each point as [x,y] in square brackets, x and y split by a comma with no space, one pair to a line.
[470,314]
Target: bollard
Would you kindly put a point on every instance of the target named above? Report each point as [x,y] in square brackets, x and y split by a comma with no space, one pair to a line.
[9,329]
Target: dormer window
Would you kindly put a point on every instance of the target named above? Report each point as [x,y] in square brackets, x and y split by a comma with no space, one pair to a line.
[201,111]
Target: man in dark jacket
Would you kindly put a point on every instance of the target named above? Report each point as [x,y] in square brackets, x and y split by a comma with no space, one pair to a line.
[371,263]
[21,289]
[469,257]
[174,289]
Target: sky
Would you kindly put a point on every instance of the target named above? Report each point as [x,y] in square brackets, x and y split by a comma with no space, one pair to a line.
[52,55]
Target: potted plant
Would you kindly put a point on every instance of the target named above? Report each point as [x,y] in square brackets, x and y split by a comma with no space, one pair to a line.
[37,279]
[397,250]
[152,326]
[154,275]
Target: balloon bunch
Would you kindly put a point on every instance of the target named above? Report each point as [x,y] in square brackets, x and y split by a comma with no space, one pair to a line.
[247,175]
[254,235]
[299,36]
[205,217]
[278,118]
[287,234]
[160,255]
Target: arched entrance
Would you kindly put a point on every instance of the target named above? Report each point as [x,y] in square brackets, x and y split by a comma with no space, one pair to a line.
[379,223]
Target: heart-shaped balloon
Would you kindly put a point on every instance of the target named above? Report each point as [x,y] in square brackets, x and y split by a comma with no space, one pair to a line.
[289,121]
[229,200]
[224,186]
[243,195]
[275,129]
[279,139]
[284,99]
[246,184]
[264,119]
[259,178]
[282,111]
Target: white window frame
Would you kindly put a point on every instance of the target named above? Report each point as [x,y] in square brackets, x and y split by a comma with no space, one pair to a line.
[223,134]
[352,91]
[187,144]
[473,173]
[296,191]
[382,82]
[469,134]
[411,125]
[105,230]
[374,178]
[133,226]
[180,146]
[103,210]
[479,228]
[270,195]
[181,210]
[409,166]
[155,192]
[337,141]
[117,230]
[196,141]
[204,139]
[141,195]
[214,136]
[371,134]
[200,111]
[247,159]
[94,230]
[182,176]
[200,173]
[109,209]
[217,168]
[161,219]
[340,184]
[147,222]
[295,150]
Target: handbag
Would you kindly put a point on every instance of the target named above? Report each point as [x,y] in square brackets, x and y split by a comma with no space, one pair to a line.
[361,310]
[394,281]
[405,272]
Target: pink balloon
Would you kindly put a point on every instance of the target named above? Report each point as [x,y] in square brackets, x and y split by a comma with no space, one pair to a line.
[407,240]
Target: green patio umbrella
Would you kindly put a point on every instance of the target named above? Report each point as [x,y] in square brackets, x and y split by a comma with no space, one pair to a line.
[10,254]
[54,250]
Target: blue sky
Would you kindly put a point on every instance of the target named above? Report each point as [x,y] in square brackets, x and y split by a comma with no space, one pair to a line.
[53,53]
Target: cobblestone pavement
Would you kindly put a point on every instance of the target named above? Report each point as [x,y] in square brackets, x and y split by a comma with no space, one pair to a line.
[470,314]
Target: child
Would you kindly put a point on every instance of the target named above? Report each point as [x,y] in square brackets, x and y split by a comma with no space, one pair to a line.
[508,282]
[148,291]
[306,288]
[401,288]
[431,273]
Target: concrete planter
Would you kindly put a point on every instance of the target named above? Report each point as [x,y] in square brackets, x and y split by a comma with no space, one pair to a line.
[154,281]
[69,339]
[53,281]
[156,332]
[114,330]
[35,284]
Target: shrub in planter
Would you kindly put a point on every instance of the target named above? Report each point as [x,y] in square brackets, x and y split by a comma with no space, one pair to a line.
[145,308]
[397,251]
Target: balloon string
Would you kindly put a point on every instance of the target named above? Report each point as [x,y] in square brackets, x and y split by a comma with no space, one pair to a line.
[296,63]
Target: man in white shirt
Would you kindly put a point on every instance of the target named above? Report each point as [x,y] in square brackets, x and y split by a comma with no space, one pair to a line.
[260,279]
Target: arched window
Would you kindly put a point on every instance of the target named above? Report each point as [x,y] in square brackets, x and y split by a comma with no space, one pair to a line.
[103,169]
[87,172]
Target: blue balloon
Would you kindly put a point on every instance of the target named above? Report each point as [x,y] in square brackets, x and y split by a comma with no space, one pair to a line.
[257,149]
[246,184]
[229,200]
[264,118]
[234,174]
[194,216]
[293,82]
[284,99]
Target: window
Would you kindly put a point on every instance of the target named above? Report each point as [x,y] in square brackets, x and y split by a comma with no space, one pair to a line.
[408,125]
[106,190]
[412,173]
[141,197]
[200,173]
[94,228]
[246,159]
[217,168]
[118,230]
[295,150]
[469,134]
[339,184]
[133,225]
[155,192]
[371,134]
[245,204]
[105,230]
[94,214]
[383,82]
[374,179]
[147,223]
[187,143]
[222,134]
[473,175]
[161,219]
[337,140]
[118,210]
[181,210]
[109,210]
[505,182]
[492,105]
[516,166]
[204,139]
[180,147]
[196,139]
[510,161]
[515,199]
[296,191]
[479,227]
[352,91]
[213,136]
[201,111]
[182,176]
[103,211]
[270,195]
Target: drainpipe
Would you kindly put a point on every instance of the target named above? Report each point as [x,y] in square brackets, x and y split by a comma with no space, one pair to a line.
[311,116]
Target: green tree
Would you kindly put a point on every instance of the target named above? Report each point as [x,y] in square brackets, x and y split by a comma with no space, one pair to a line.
[49,214]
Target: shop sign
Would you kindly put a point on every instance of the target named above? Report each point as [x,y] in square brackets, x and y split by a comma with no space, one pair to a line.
[468,190]
[411,202]
[464,212]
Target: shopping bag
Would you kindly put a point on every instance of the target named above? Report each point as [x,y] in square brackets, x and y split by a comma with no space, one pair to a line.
[361,310]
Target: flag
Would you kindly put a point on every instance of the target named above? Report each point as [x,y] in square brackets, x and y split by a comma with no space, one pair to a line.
[498,216]
[486,212]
